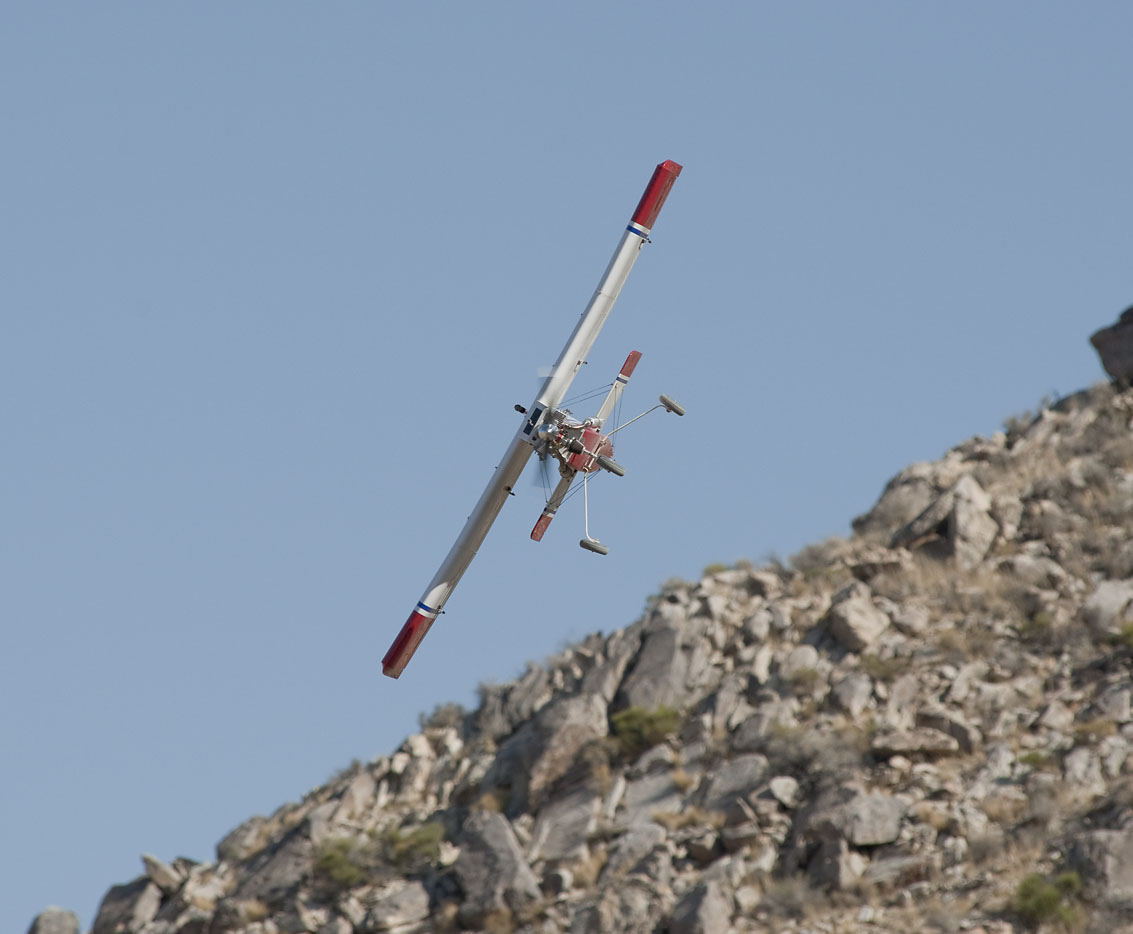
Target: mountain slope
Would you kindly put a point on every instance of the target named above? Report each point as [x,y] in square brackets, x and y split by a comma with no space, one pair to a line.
[927,726]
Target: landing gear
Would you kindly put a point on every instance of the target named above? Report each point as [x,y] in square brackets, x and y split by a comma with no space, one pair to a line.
[590,544]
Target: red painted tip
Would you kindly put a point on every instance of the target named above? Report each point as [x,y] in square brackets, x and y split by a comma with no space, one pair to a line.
[631,362]
[406,644]
[540,528]
[655,193]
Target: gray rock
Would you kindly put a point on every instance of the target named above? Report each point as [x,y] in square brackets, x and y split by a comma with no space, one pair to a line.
[732,779]
[125,909]
[544,750]
[904,498]
[491,869]
[564,825]
[801,659]
[279,868]
[1104,860]
[243,841]
[648,795]
[634,907]
[834,866]
[853,692]
[1108,608]
[972,528]
[630,849]
[952,724]
[873,819]
[960,519]
[404,902]
[55,921]
[785,790]
[705,909]
[1114,345]
[923,741]
[853,619]
[165,877]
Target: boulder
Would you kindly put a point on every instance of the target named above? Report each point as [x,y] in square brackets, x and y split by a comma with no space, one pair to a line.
[1109,607]
[854,620]
[55,921]
[492,870]
[404,902]
[959,521]
[127,908]
[564,826]
[734,778]
[1114,345]
[630,849]
[1104,860]
[705,909]
[923,741]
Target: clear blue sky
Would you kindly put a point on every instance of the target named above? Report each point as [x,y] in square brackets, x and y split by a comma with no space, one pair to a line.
[273,276]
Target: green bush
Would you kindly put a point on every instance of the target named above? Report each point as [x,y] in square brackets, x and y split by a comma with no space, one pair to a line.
[638,729]
[341,864]
[418,848]
[1041,901]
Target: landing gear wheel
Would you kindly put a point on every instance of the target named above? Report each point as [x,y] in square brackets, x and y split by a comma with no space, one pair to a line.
[590,545]
[612,466]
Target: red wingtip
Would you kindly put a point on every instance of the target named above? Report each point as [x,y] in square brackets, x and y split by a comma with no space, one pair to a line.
[655,193]
[540,528]
[630,364]
[406,644]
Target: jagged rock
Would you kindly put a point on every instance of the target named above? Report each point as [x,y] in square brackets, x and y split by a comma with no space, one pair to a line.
[705,909]
[904,498]
[669,669]
[491,868]
[853,619]
[55,921]
[634,907]
[545,749]
[1104,861]
[1114,345]
[952,724]
[733,779]
[403,902]
[126,909]
[1108,608]
[630,849]
[785,790]
[923,741]
[243,841]
[960,519]
[834,866]
[853,693]
[649,795]
[564,825]
[279,868]
[861,819]
[165,877]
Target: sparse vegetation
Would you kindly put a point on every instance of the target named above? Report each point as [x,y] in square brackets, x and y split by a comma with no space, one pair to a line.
[343,863]
[1041,901]
[884,669]
[443,715]
[638,729]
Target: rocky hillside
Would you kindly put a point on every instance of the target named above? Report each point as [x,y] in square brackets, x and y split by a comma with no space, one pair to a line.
[925,727]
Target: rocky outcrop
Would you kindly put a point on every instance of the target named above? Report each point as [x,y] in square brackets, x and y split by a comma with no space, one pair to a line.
[1114,345]
[915,728]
